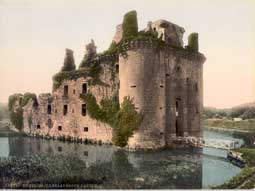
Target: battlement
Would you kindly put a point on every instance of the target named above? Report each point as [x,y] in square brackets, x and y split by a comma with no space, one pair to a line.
[150,44]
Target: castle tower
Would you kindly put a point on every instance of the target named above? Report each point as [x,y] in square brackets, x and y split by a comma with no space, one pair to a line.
[141,78]
[166,85]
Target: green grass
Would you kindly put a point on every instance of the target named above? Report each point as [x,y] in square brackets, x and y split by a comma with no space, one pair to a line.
[237,180]
[246,174]
[247,124]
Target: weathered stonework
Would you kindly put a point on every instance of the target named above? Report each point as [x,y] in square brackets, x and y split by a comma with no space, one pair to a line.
[166,85]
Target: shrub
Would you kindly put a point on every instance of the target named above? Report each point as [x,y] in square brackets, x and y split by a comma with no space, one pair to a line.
[127,121]
[248,155]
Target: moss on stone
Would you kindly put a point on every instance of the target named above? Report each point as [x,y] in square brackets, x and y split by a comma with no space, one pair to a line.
[26,97]
[16,118]
[68,62]
[129,25]
[72,75]
[12,99]
[193,42]
[16,113]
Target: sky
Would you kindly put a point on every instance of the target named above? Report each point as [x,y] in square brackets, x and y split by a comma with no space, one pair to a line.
[35,33]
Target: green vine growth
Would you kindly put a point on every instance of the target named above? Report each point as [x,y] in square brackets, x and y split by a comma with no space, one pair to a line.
[124,120]
[16,103]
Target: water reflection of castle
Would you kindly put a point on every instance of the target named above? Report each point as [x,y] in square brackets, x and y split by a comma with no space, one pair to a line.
[156,169]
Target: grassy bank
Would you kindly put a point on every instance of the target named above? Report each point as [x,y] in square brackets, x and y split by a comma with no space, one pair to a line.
[246,178]
[244,125]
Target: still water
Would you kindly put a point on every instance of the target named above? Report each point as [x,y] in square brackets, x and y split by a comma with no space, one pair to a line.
[183,168]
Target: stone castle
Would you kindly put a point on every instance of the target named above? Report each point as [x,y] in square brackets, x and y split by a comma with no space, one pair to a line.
[165,83]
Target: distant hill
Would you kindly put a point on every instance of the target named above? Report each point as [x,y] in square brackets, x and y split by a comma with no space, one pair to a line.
[244,111]
[250,104]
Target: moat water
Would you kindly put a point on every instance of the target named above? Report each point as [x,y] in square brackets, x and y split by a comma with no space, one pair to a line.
[183,168]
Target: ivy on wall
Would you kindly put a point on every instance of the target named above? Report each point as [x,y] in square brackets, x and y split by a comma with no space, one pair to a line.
[68,61]
[193,42]
[16,111]
[129,25]
[124,120]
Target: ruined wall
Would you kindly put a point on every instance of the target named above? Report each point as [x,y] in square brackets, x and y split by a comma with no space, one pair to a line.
[171,33]
[74,123]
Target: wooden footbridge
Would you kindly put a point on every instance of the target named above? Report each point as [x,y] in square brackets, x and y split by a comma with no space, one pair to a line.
[206,142]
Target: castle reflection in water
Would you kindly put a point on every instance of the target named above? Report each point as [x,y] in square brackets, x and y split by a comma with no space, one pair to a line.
[152,169]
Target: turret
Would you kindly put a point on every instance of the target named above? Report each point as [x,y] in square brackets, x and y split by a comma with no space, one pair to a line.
[68,62]
[90,53]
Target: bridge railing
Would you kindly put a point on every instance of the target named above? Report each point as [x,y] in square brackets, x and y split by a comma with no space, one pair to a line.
[207,142]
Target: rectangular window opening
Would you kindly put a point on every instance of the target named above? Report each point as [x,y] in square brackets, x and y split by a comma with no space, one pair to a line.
[84,88]
[83,109]
[60,149]
[66,90]
[161,86]
[38,127]
[196,86]
[133,86]
[60,128]
[85,153]
[49,109]
[73,91]
[85,129]
[65,109]
[117,68]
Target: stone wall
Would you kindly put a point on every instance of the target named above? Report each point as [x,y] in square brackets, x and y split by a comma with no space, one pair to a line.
[141,78]
[74,123]
[171,33]
[166,86]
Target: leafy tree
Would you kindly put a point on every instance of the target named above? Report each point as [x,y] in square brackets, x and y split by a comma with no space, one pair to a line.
[127,121]
[124,120]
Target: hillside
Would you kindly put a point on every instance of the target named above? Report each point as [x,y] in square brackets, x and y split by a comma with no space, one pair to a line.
[244,111]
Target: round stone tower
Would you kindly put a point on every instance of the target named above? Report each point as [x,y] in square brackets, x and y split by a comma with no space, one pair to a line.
[141,78]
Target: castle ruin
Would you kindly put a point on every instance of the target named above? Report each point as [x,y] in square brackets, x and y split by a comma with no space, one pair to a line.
[163,78]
